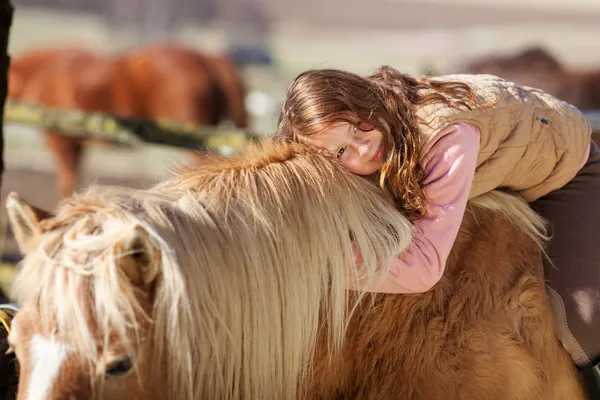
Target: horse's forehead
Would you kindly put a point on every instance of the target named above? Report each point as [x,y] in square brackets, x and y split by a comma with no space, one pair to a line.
[25,324]
[45,353]
[28,323]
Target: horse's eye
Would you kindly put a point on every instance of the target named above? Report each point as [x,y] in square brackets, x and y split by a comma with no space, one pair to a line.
[119,367]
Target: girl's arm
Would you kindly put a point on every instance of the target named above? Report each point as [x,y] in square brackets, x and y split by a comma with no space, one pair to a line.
[449,166]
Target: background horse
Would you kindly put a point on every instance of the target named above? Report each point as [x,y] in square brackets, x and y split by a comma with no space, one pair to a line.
[228,282]
[76,78]
[160,81]
[537,67]
[178,83]
[24,67]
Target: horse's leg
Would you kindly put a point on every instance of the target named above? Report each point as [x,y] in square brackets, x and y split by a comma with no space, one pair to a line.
[67,154]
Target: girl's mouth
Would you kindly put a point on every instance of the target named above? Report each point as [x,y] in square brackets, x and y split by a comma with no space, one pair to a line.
[377,154]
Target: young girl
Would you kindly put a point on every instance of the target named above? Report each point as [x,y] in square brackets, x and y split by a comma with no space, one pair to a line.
[434,143]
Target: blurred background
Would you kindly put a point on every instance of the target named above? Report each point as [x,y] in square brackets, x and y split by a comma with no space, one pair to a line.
[552,44]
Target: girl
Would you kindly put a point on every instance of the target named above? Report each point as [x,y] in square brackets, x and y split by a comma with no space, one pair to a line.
[434,143]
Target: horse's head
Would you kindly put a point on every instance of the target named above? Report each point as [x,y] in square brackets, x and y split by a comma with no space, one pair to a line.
[86,291]
[215,284]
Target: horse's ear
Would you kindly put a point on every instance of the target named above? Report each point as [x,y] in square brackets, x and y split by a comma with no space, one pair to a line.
[138,256]
[24,220]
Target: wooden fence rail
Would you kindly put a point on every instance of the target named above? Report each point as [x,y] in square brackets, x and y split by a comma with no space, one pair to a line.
[126,131]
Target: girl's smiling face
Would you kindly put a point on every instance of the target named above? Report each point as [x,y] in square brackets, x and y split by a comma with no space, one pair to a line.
[361,152]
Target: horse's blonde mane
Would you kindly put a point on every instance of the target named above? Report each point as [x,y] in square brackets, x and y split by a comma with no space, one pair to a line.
[74,273]
[256,252]
[517,210]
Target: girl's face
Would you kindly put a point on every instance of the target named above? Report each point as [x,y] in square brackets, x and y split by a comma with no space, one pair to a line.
[359,151]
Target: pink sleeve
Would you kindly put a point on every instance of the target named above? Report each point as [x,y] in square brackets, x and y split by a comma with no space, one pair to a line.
[449,166]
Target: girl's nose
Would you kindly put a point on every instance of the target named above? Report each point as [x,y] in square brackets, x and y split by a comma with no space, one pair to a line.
[362,148]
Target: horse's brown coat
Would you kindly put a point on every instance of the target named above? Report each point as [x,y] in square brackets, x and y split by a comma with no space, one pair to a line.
[483,332]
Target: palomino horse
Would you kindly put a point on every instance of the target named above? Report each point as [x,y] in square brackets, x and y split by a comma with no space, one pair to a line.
[160,81]
[228,282]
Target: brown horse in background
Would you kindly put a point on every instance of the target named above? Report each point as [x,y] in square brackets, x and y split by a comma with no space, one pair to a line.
[160,81]
[537,67]
[211,85]
[71,78]
[24,67]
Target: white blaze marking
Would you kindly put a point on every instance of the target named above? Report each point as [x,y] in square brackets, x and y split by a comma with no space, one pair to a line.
[46,357]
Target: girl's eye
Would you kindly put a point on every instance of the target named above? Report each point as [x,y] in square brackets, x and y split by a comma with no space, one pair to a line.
[340,152]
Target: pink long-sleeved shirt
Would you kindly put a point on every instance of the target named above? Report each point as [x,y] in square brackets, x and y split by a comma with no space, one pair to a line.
[449,165]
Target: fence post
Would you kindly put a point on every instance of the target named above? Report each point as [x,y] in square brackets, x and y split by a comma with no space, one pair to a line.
[6,14]
[8,375]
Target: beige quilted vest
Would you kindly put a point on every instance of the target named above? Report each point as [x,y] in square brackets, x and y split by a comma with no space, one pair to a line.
[531,142]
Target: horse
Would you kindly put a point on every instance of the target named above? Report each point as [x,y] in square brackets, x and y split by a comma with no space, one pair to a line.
[164,73]
[161,81]
[25,66]
[537,67]
[77,78]
[228,281]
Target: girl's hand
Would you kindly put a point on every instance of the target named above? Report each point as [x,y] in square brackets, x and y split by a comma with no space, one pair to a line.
[358,260]
[364,284]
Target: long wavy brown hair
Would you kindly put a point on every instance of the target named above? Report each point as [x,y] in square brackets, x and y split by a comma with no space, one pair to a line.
[387,100]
